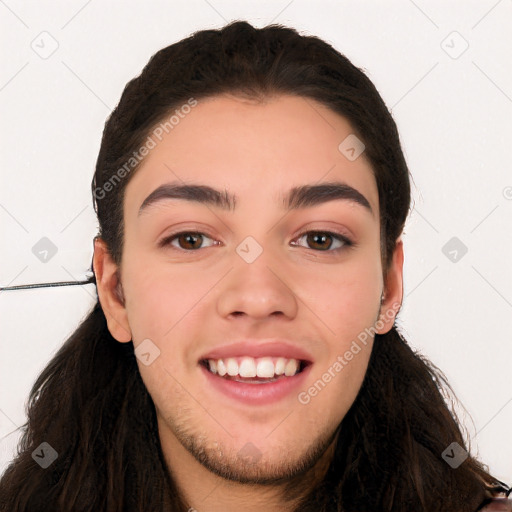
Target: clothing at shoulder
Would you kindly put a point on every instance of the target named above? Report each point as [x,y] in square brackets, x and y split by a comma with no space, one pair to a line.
[499,505]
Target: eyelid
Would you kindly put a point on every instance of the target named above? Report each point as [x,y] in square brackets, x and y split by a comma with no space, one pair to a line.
[339,230]
[182,228]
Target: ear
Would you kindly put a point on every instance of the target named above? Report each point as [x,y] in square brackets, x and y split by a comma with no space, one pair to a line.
[110,292]
[393,290]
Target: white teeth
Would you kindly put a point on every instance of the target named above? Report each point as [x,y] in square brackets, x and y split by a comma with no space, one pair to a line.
[248,367]
[280,366]
[265,367]
[291,367]
[232,367]
[221,367]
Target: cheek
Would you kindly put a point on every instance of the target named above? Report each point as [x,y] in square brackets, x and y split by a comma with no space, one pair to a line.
[336,382]
[167,306]
[347,302]
[345,296]
[158,296]
[159,309]
[148,311]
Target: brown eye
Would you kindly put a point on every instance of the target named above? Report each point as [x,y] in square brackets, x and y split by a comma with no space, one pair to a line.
[190,240]
[187,240]
[321,240]
[317,240]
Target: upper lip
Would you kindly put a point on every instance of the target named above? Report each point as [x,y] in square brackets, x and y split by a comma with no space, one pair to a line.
[259,348]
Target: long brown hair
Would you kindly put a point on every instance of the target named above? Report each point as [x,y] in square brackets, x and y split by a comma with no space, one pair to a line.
[90,404]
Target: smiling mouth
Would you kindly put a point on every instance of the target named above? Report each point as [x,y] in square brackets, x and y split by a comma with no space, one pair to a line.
[255,370]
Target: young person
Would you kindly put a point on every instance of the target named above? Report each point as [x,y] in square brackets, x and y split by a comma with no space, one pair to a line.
[243,353]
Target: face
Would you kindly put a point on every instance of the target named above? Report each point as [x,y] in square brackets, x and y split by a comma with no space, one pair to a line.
[268,287]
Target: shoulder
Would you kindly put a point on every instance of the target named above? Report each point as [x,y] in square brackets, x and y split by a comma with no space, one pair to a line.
[498,505]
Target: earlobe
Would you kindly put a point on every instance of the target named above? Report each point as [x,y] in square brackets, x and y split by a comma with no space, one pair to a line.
[393,290]
[110,292]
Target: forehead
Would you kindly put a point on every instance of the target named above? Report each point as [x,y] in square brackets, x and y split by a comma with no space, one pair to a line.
[257,150]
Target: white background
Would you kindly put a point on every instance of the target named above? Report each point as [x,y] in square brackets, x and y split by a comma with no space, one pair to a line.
[453,115]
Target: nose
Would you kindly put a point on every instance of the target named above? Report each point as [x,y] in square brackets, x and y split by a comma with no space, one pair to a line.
[258,290]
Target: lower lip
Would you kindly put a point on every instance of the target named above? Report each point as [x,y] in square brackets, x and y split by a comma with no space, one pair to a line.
[257,394]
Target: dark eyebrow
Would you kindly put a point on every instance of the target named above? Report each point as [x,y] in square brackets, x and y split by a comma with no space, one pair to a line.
[311,195]
[298,197]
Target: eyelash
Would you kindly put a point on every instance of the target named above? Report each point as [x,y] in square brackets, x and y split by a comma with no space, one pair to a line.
[347,243]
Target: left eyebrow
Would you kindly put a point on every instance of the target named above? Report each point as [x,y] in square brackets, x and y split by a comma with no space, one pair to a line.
[300,197]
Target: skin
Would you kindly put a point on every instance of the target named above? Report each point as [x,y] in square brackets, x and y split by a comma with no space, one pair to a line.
[184,301]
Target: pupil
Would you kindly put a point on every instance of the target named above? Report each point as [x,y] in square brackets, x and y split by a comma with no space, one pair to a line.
[190,236]
[317,235]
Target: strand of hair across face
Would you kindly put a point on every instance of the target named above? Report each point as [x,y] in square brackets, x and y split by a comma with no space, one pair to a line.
[90,280]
